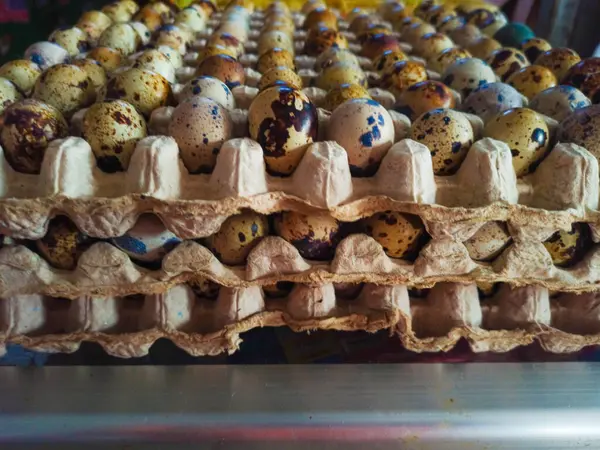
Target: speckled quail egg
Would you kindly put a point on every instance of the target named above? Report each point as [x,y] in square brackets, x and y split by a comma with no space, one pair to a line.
[468,74]
[215,49]
[272,39]
[148,241]
[237,236]
[315,236]
[532,80]
[46,54]
[559,101]
[431,44]
[94,71]
[113,129]
[366,131]
[284,122]
[487,21]
[74,40]
[280,76]
[109,58]
[415,31]
[320,39]
[558,60]
[121,37]
[227,69]
[590,85]
[439,14]
[400,235]
[582,127]
[23,73]
[150,18]
[9,94]
[191,18]
[341,73]
[483,47]
[280,289]
[360,23]
[142,31]
[387,59]
[376,44]
[273,58]
[335,55]
[450,24]
[227,40]
[63,243]
[156,61]
[93,23]
[118,11]
[403,74]
[579,73]
[491,99]
[143,89]
[320,16]
[336,96]
[67,87]
[178,37]
[209,87]
[448,135]
[569,247]
[371,30]
[173,55]
[465,35]
[489,241]
[505,61]
[525,132]
[165,10]
[534,47]
[200,126]
[208,6]
[26,129]
[444,59]
[422,97]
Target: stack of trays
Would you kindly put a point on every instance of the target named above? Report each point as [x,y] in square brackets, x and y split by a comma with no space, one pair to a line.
[195,174]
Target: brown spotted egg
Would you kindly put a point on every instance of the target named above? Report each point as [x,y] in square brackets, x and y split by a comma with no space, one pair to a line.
[525,132]
[165,10]
[534,47]
[387,59]
[151,19]
[466,75]
[569,247]
[113,129]
[109,58]
[483,47]
[284,122]
[191,18]
[275,57]
[400,235]
[237,236]
[23,73]
[215,49]
[156,61]
[450,24]
[579,73]
[315,236]
[444,59]
[121,37]
[336,96]
[505,61]
[320,16]
[118,11]
[403,74]
[489,241]
[558,102]
[26,129]
[422,97]
[280,76]
[532,80]
[227,69]
[273,39]
[448,135]
[228,41]
[378,43]
[465,35]
[335,55]
[93,23]
[210,87]
[63,243]
[66,87]
[365,130]
[415,31]
[431,44]
[200,126]
[371,30]
[178,37]
[95,72]
[320,39]
[9,94]
[74,40]
[582,127]
[341,73]
[558,60]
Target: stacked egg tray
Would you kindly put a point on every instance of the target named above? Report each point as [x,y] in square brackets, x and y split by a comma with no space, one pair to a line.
[430,300]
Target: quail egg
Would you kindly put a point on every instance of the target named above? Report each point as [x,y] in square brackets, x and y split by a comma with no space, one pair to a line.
[280,289]
[341,73]
[275,57]
[487,289]
[532,80]
[387,59]
[450,24]
[422,97]
[8,94]
[468,74]
[237,236]
[227,69]
[534,47]
[209,87]
[208,6]
[315,236]
[527,135]
[401,75]
[286,26]
[487,21]
[165,10]
[205,288]
[590,85]
[156,61]
[173,55]
[582,127]
[118,11]
[559,101]
[63,243]
[400,235]
[113,129]
[431,44]
[483,47]
[46,54]
[96,74]
[74,40]
[227,40]
[365,130]
[491,99]
[320,39]
[148,241]
[66,87]
[191,18]
[178,37]
[273,39]
[142,31]
[121,37]
[26,129]
[336,96]
[335,55]
[108,58]
[579,73]
[280,76]
[448,135]
[558,60]
[415,31]
[318,17]
[360,23]
[465,35]
[488,242]
[23,73]
[370,31]
[505,61]
[284,122]
[440,14]
[151,19]
[93,23]
[569,247]
[212,50]
[376,44]
[444,59]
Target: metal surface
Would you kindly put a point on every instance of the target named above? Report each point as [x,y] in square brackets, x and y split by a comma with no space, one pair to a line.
[434,406]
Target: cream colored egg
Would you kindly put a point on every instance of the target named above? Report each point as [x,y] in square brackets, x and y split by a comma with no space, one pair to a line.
[273,39]
[209,87]
[23,73]
[341,73]
[335,55]
[489,241]
[46,54]
[142,31]
[121,37]
[74,40]
[94,70]
[559,101]
[156,61]
[314,235]
[8,94]
[192,19]
[178,37]
[93,23]
[280,76]
[173,55]
[466,75]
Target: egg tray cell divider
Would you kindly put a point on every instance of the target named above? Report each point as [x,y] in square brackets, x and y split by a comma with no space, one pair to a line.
[127,327]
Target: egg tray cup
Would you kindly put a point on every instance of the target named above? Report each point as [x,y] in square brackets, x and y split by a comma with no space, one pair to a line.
[127,327]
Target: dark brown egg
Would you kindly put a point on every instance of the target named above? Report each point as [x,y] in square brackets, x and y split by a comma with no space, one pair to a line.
[579,73]
[320,39]
[63,243]
[377,44]
[424,96]
[315,236]
[227,69]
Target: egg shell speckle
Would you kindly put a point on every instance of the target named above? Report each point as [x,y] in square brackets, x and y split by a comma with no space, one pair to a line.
[109,58]
[315,236]
[209,87]
[376,44]
[491,99]
[74,40]
[273,58]
[400,235]
[387,59]
[422,97]
[579,73]
[335,55]
[466,75]
[559,101]
[432,44]
[568,247]
[402,75]
[488,242]
[273,39]
[582,127]
[227,69]
[156,61]
[506,60]
[96,74]
[321,39]
[534,47]
[63,243]
[121,37]
[444,59]
[532,80]
[93,23]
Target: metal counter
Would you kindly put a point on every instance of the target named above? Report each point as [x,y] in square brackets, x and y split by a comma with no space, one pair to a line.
[410,406]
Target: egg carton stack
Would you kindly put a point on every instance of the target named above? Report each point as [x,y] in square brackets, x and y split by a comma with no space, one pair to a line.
[251,205]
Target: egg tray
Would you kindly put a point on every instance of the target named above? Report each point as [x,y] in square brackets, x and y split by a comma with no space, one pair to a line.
[127,327]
